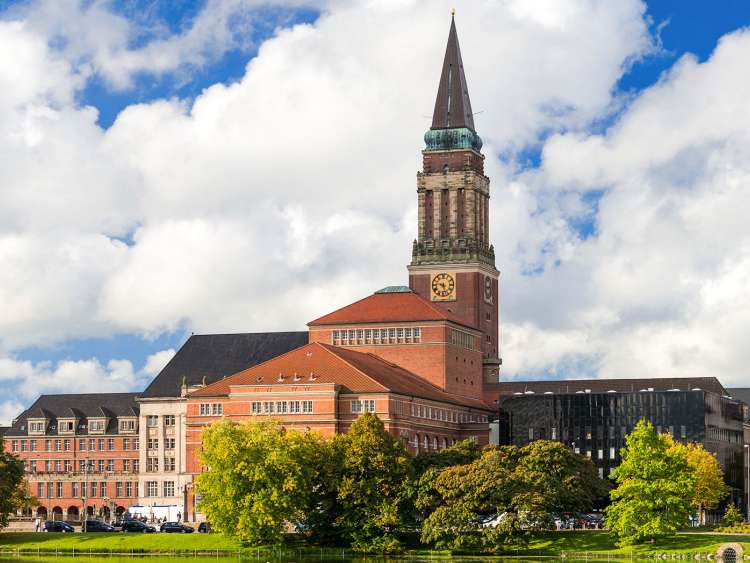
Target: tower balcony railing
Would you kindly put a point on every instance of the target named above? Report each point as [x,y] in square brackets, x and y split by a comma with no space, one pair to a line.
[458,250]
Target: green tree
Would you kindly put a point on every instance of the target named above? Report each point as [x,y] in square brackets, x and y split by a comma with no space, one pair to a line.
[655,486]
[259,478]
[732,516]
[12,484]
[371,489]
[710,488]
[508,490]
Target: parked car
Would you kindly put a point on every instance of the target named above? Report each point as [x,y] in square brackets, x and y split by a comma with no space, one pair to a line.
[136,526]
[175,528]
[51,526]
[97,526]
[204,528]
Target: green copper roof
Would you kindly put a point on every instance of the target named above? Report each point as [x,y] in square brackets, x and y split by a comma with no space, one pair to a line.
[395,289]
[455,138]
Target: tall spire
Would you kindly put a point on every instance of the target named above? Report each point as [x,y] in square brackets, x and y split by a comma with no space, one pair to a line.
[452,106]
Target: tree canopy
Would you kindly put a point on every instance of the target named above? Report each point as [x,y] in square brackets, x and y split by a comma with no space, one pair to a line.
[655,488]
[259,480]
[507,490]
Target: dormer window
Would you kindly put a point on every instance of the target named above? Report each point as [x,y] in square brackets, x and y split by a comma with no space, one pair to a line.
[37,427]
[127,425]
[66,426]
[97,426]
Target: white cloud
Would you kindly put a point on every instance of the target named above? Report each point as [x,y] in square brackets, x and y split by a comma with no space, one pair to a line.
[156,362]
[278,198]
[9,410]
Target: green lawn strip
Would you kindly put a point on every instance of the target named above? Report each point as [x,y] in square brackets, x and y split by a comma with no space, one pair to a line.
[549,543]
[117,542]
[553,543]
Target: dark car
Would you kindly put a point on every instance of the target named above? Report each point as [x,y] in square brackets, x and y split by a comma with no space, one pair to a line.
[136,526]
[64,527]
[97,526]
[175,528]
[204,528]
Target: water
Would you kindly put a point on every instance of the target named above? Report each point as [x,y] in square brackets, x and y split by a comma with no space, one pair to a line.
[283,557]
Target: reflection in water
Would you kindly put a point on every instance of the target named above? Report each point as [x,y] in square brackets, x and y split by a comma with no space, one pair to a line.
[284,556]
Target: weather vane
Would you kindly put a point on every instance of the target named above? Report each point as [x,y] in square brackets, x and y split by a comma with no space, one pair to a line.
[453,11]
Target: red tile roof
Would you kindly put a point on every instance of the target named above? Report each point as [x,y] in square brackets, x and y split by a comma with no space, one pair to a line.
[355,372]
[403,306]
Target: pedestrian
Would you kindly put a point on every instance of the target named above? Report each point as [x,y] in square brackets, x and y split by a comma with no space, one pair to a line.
[37,524]
[179,516]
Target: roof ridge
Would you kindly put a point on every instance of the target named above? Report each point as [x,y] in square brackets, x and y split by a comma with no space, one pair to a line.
[330,349]
[232,375]
[340,309]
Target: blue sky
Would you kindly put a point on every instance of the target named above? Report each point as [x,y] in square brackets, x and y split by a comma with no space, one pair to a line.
[676,27]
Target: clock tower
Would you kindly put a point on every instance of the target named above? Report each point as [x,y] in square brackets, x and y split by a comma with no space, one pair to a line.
[453,262]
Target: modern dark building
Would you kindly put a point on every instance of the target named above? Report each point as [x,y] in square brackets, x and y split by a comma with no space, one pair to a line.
[743,394]
[593,417]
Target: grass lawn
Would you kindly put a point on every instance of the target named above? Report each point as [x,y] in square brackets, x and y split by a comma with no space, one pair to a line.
[117,542]
[553,543]
[550,543]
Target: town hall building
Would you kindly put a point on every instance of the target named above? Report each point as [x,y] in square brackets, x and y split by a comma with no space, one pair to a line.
[424,357]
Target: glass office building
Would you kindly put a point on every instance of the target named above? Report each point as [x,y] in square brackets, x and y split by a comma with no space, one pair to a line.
[594,422]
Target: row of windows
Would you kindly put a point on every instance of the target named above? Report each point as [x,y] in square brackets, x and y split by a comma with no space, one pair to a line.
[94,426]
[66,445]
[612,432]
[153,443]
[425,442]
[463,339]
[396,335]
[88,489]
[365,405]
[445,415]
[723,435]
[167,487]
[152,420]
[281,407]
[211,409]
[152,464]
[67,466]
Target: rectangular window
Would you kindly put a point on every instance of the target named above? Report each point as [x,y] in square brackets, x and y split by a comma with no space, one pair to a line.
[59,489]
[81,445]
[280,407]
[118,489]
[344,337]
[152,464]
[368,336]
[58,465]
[168,488]
[368,405]
[683,431]
[93,488]
[553,433]
[391,335]
[49,490]
[294,407]
[136,465]
[169,420]
[531,433]
[611,453]
[168,464]
[335,338]
[92,444]
[68,466]
[153,443]
[256,407]
[600,454]
[352,337]
[217,409]
[74,489]
[417,334]
[601,473]
[101,444]
[152,421]
[24,445]
[360,335]
[307,406]
[126,444]
[400,334]
[152,488]
[81,465]
[168,443]
[110,444]
[58,445]
[136,443]
[268,407]
[40,490]
[126,465]
[14,445]
[96,426]
[127,425]
[356,406]
[128,489]
[110,465]
[84,491]
[101,465]
[48,445]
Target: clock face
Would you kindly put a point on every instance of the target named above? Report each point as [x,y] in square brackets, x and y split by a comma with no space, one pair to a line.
[443,287]
[488,289]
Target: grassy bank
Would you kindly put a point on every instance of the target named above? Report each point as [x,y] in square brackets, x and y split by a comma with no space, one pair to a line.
[547,544]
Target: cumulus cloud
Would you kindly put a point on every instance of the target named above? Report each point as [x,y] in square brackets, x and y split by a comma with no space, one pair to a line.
[263,204]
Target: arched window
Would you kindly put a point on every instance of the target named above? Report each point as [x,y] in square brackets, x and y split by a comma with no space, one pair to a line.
[445,443]
[426,442]
[435,443]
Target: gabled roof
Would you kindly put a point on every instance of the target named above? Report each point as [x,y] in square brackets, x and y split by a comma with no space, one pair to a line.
[355,372]
[605,385]
[452,106]
[213,356]
[389,306]
[80,406]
